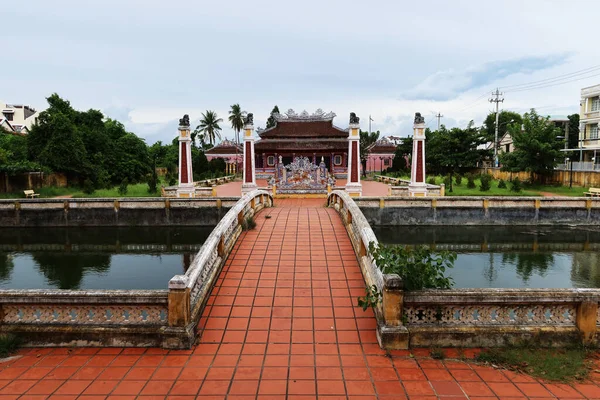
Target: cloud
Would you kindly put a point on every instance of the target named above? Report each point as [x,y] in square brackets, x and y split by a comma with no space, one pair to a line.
[445,85]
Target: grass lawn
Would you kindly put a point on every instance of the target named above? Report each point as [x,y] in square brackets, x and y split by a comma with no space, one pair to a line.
[563,365]
[528,190]
[133,190]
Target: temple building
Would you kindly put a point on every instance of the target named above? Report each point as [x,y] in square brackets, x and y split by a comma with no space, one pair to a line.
[230,152]
[302,135]
[380,155]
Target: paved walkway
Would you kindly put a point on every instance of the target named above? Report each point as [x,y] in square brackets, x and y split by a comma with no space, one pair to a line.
[370,188]
[281,324]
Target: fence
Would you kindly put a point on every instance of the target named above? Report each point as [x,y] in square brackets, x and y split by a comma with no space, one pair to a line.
[166,318]
[468,317]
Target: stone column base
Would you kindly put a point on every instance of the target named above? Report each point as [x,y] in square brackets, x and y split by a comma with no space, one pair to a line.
[354,189]
[248,187]
[186,191]
[417,191]
[393,337]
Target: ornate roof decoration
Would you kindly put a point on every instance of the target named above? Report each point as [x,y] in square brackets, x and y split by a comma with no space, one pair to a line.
[290,115]
[382,145]
[226,143]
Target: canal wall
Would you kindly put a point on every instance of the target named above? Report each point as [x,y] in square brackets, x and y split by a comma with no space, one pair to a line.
[397,211]
[465,317]
[114,212]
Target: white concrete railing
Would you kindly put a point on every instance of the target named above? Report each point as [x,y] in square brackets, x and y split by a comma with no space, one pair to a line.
[360,233]
[188,293]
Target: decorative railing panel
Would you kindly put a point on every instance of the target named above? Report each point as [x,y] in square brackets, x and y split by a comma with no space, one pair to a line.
[301,176]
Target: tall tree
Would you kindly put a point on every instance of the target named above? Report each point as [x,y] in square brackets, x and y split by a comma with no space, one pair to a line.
[504,119]
[209,127]
[236,118]
[574,134]
[537,147]
[367,140]
[271,121]
[402,155]
[449,150]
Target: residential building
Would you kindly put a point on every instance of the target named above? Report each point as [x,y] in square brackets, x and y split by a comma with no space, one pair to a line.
[589,121]
[18,118]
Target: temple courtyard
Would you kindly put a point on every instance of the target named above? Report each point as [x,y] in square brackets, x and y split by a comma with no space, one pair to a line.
[281,323]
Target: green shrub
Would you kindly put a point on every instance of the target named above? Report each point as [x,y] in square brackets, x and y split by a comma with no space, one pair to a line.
[470,181]
[123,187]
[431,180]
[517,186]
[458,179]
[501,184]
[485,183]
[8,344]
[448,183]
[419,267]
[152,182]
[248,223]
[88,186]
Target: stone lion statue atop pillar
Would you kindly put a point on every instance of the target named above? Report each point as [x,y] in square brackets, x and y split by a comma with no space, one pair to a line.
[353,118]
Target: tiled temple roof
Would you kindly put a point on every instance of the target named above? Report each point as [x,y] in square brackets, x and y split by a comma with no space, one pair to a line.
[225,147]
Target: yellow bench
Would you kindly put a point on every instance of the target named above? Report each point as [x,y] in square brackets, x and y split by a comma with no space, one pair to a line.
[30,194]
[593,192]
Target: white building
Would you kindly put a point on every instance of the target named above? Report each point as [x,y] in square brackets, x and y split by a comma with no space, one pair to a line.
[17,118]
[589,120]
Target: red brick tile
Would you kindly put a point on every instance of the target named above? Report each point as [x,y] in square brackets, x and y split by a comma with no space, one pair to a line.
[272,387]
[505,389]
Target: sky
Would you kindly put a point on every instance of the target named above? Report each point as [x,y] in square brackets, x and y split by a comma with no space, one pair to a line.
[146,63]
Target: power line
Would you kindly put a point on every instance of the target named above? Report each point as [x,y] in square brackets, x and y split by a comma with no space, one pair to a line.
[556,78]
[551,85]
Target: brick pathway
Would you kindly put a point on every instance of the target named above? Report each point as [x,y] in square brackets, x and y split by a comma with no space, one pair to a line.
[281,324]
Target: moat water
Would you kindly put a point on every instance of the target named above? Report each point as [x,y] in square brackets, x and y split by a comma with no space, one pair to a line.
[511,256]
[96,258]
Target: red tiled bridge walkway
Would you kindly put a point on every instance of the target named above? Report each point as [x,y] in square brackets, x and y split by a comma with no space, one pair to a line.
[282,323]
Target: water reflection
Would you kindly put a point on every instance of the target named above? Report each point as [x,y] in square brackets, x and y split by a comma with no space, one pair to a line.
[511,256]
[100,258]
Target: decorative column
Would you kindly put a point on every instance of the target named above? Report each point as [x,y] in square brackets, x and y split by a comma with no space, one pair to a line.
[249,183]
[417,186]
[353,185]
[186,177]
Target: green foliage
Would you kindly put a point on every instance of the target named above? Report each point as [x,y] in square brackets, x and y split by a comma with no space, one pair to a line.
[84,145]
[153,183]
[419,267]
[248,223]
[437,353]
[470,181]
[563,365]
[485,180]
[401,161]
[372,298]
[88,186]
[431,180]
[236,118]
[448,183]
[458,179]
[208,128]
[537,148]
[123,187]
[516,186]
[367,139]
[505,118]
[449,150]
[8,344]
[573,135]
[501,184]
[271,121]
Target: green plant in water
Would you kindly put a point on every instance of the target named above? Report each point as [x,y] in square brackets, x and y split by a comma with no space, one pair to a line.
[8,344]
[418,267]
[371,299]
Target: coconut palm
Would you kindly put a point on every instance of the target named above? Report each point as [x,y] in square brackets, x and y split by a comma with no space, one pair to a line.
[236,117]
[209,127]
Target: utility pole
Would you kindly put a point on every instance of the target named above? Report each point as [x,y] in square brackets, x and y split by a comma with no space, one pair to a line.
[370,119]
[439,116]
[496,100]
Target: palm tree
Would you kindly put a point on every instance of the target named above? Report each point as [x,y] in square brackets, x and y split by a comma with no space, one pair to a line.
[236,117]
[209,127]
